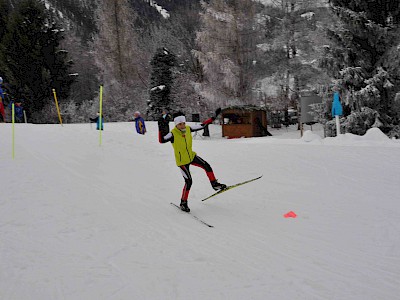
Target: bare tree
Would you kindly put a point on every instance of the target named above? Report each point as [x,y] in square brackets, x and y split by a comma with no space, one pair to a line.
[227,50]
[124,64]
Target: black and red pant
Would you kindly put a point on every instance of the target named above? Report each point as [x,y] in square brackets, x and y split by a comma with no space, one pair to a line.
[198,162]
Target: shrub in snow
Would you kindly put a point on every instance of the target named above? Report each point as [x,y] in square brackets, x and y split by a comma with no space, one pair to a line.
[330,128]
[356,123]
[395,132]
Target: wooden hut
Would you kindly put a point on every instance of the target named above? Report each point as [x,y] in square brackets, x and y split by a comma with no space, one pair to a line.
[244,121]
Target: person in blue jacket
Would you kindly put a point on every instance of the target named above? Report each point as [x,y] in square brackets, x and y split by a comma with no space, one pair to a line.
[140,125]
[97,120]
[19,112]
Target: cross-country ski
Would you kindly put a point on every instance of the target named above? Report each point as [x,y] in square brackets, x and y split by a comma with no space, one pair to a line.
[229,187]
[193,216]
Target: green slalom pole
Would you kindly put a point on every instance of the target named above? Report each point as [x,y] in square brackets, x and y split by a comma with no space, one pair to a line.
[101,113]
[13,130]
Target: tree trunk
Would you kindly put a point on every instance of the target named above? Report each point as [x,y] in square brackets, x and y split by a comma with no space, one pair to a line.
[118,39]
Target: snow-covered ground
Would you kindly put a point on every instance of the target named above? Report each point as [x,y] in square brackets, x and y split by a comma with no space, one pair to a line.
[80,221]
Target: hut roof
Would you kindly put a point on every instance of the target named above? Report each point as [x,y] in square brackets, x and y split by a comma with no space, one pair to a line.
[245,108]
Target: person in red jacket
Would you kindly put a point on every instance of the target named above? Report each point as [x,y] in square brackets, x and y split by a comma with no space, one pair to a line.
[2,112]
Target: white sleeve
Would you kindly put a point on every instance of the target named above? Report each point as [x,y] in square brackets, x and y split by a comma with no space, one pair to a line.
[168,136]
[196,127]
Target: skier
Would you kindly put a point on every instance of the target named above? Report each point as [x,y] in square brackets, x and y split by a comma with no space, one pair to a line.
[97,120]
[181,139]
[140,125]
[2,112]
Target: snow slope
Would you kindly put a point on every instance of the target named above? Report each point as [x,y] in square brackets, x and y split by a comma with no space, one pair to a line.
[80,221]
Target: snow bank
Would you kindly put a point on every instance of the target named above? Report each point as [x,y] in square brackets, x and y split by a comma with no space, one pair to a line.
[375,134]
[80,221]
[309,136]
[291,136]
[373,137]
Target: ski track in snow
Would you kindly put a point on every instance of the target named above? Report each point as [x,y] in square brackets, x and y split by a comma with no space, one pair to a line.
[80,221]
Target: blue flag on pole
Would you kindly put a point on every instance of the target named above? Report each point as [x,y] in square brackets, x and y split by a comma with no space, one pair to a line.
[337,109]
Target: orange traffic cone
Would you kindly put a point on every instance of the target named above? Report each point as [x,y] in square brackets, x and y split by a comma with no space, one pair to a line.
[290,214]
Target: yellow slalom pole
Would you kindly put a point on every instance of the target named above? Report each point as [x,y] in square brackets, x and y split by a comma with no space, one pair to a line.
[58,109]
[101,113]
[13,129]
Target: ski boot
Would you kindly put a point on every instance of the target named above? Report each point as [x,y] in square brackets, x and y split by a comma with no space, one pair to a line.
[217,186]
[184,206]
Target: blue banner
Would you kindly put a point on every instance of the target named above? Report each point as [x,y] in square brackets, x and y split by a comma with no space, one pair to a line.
[337,109]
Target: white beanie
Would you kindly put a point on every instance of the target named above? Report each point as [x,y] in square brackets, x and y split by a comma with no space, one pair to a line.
[180,119]
[1,79]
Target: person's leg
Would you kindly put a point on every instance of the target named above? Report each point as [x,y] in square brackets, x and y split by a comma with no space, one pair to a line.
[201,163]
[186,189]
[2,113]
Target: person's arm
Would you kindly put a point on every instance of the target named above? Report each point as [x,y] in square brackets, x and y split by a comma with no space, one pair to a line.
[144,126]
[164,135]
[194,128]
[169,137]
[201,126]
[137,125]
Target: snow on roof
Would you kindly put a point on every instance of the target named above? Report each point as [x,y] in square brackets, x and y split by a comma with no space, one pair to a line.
[244,107]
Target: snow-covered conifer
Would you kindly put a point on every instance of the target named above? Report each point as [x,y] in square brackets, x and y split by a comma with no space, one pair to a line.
[361,39]
[161,83]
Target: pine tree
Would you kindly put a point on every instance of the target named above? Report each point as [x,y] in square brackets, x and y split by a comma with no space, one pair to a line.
[35,64]
[79,14]
[161,83]
[391,63]
[362,38]
[4,13]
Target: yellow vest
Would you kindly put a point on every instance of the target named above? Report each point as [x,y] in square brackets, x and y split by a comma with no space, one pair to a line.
[183,146]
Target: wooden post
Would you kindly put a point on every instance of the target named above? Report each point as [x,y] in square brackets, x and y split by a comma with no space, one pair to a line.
[101,113]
